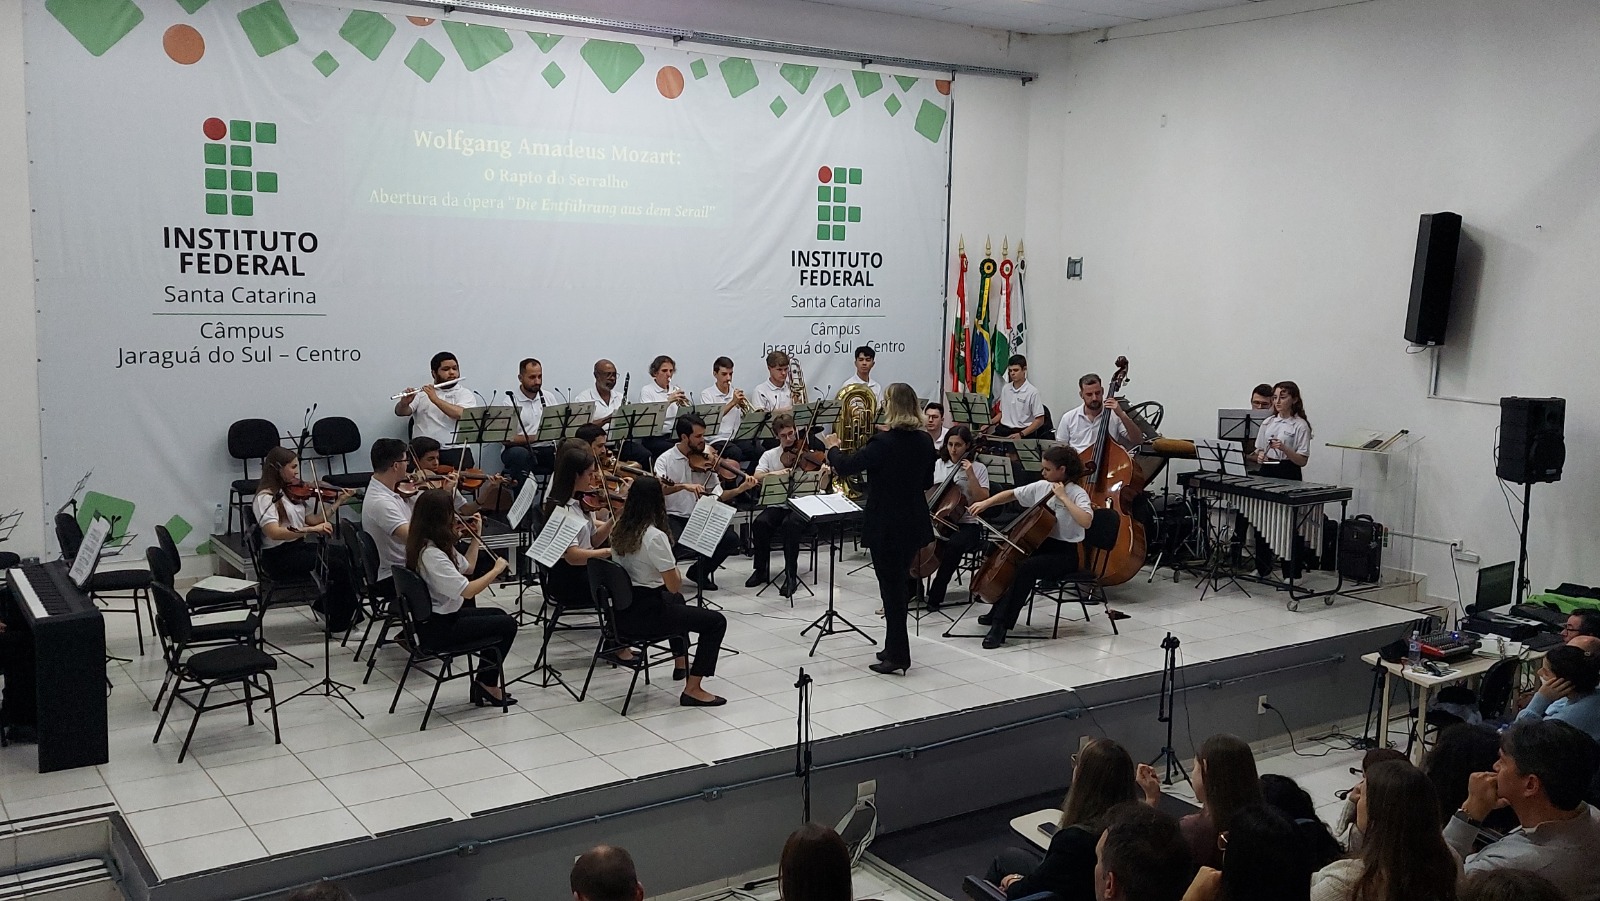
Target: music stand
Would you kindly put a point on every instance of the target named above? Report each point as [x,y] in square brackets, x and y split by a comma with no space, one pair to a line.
[970,410]
[561,421]
[636,422]
[72,497]
[1240,425]
[712,414]
[486,425]
[832,510]
[753,425]
[8,524]
[776,493]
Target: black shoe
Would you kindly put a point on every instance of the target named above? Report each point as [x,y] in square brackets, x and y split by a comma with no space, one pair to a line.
[986,619]
[934,603]
[882,656]
[791,584]
[481,698]
[890,668]
[757,578]
[691,701]
[701,579]
[995,638]
[680,673]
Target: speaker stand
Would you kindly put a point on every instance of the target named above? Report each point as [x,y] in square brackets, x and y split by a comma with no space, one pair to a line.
[1522,544]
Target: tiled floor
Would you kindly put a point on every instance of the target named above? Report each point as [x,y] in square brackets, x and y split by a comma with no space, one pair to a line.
[239,796]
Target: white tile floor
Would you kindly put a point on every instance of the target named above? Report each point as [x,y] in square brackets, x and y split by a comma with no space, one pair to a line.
[238,796]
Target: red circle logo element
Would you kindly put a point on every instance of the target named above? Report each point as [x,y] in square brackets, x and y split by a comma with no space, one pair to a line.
[215,129]
[824,175]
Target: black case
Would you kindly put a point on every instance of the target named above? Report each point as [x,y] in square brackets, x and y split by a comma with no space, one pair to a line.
[1361,549]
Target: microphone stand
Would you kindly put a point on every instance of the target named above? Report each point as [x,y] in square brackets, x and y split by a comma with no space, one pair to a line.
[802,760]
[1167,707]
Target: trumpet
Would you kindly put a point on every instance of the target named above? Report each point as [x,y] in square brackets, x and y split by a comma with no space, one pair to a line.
[451,383]
[745,406]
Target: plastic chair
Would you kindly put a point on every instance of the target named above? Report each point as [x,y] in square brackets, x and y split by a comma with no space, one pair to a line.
[415,608]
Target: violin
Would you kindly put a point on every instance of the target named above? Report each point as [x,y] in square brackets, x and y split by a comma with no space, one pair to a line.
[799,456]
[301,491]
[708,462]
[470,479]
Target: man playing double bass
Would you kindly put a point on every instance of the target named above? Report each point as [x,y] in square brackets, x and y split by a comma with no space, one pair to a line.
[1081,425]
[1057,556]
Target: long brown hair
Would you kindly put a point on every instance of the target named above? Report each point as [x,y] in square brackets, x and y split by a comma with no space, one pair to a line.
[815,866]
[646,507]
[273,481]
[1297,408]
[431,524]
[573,462]
[1403,855]
[1230,778]
[1102,779]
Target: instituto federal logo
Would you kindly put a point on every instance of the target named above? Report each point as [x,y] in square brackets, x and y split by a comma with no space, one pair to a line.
[833,209]
[231,177]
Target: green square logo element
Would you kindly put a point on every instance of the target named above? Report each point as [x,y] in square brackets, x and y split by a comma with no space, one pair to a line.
[855,177]
[838,214]
[853,214]
[241,180]
[267,133]
[424,60]
[823,232]
[97,24]
[267,182]
[216,179]
[824,193]
[217,204]
[838,231]
[839,175]
[838,195]
[216,155]
[268,28]
[243,205]
[239,130]
[824,213]
[240,155]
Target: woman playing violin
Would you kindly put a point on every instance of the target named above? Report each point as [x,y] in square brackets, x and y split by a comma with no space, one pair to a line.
[576,475]
[290,530]
[963,534]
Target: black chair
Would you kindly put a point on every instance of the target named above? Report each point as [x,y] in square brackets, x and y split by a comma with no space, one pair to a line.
[1047,432]
[416,607]
[243,630]
[551,614]
[132,585]
[248,439]
[612,591]
[1084,586]
[336,436]
[244,665]
[200,600]
[1493,695]
[273,592]
[364,569]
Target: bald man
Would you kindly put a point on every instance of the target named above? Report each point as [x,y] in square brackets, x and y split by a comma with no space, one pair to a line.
[606,399]
[605,873]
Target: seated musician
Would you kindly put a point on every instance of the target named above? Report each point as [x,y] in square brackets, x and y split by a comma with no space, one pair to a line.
[1060,471]
[773,394]
[972,480]
[429,470]
[661,390]
[683,484]
[641,546]
[606,399]
[779,520]
[934,414]
[386,509]
[866,358]
[1080,426]
[431,553]
[1021,409]
[577,475]
[733,403]
[520,455]
[434,411]
[290,530]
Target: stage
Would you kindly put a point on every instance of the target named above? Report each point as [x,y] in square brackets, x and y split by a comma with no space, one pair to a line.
[337,780]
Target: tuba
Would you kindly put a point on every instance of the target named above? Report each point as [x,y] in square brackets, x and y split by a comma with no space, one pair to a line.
[797,384]
[858,415]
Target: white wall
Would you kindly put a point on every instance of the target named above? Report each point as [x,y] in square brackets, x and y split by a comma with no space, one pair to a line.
[1245,199]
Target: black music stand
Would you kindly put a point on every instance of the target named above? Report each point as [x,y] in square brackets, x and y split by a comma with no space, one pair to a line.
[753,426]
[486,425]
[1239,425]
[712,415]
[636,422]
[968,409]
[820,513]
[777,493]
[561,421]
[8,524]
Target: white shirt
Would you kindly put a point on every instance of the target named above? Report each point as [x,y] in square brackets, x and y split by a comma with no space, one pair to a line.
[428,419]
[938,440]
[877,389]
[672,464]
[653,558]
[530,411]
[601,408]
[1066,529]
[773,397]
[652,393]
[1019,407]
[585,537]
[731,419]
[267,511]
[941,469]
[771,461]
[382,512]
[1079,431]
[1294,432]
[446,577]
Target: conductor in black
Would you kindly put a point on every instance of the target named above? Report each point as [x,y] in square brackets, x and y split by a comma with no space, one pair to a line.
[898,461]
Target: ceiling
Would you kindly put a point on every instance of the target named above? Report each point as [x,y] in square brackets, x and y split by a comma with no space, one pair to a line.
[1039,16]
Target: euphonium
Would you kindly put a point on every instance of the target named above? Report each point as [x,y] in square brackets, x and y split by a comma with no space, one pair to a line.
[797,383]
[858,413]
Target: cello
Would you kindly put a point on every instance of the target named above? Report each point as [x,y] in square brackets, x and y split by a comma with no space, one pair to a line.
[1113,481]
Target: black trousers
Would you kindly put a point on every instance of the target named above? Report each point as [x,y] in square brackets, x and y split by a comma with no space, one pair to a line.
[298,559]
[726,547]
[1021,861]
[634,452]
[657,611]
[782,522]
[568,585]
[967,537]
[892,565]
[1053,559]
[459,457]
[443,631]
[520,461]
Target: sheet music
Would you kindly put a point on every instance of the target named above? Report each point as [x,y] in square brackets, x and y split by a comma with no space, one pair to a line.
[559,532]
[815,505]
[223,583]
[706,526]
[521,506]
[89,552]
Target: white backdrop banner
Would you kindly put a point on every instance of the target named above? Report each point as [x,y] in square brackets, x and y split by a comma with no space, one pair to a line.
[247,208]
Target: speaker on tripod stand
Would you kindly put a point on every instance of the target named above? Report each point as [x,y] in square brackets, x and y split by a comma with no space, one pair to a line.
[1533,448]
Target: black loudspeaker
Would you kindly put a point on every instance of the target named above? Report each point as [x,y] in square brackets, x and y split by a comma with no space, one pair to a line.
[1433,277]
[1532,444]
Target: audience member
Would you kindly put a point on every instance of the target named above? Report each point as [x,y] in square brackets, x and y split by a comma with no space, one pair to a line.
[1261,859]
[815,866]
[1567,690]
[321,890]
[605,873]
[1103,776]
[1581,623]
[1224,781]
[1509,885]
[1460,751]
[1403,857]
[1545,767]
[1287,797]
[1349,835]
[1141,856]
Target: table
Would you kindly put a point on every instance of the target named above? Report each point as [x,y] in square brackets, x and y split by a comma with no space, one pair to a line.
[1460,670]
[1028,825]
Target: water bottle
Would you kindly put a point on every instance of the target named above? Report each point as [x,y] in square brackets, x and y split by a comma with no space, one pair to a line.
[1414,648]
[218,519]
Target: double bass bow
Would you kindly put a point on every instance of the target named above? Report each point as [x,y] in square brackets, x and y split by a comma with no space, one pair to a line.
[1113,481]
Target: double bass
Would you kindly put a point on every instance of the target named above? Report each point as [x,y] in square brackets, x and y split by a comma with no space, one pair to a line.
[1113,482]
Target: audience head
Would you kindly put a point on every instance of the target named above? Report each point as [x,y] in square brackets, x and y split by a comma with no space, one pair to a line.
[815,866]
[605,873]
[1545,761]
[1102,778]
[1403,854]
[1575,665]
[321,890]
[1508,885]
[1379,755]
[1460,751]
[1261,857]
[1287,797]
[1142,856]
[1225,778]
[1583,622]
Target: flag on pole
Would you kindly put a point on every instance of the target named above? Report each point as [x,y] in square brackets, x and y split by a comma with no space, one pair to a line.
[958,332]
[1019,332]
[982,342]
[1002,335]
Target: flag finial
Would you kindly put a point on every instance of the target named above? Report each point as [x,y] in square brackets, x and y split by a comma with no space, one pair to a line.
[988,246]
[1005,248]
